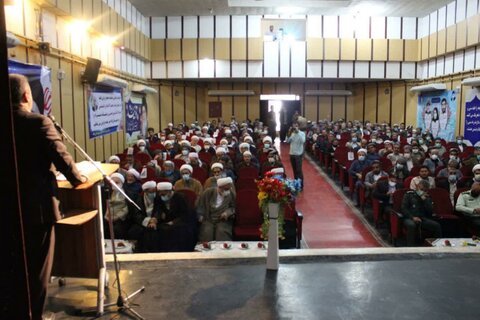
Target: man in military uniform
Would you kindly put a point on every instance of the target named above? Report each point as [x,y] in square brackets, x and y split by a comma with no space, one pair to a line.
[417,208]
[468,204]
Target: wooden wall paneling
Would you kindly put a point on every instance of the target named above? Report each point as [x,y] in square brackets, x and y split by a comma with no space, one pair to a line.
[411,116]
[310,102]
[116,27]
[173,50]
[178,104]
[67,119]
[190,104]
[461,37]
[347,49]
[297,88]
[282,88]
[205,49]
[166,105]
[441,41]
[364,49]
[105,22]
[398,102]
[137,42]
[157,50]
[255,49]
[314,49]
[411,50]
[268,88]
[222,49]
[338,108]
[472,27]
[87,10]
[332,49]
[380,50]
[432,48]
[325,104]
[189,49]
[121,27]
[395,50]
[97,16]
[64,5]
[451,39]
[227,102]
[350,109]
[126,34]
[202,102]
[142,45]
[253,102]
[132,32]
[76,9]
[370,102]
[148,43]
[80,114]
[239,49]
[240,102]
[384,102]
[357,102]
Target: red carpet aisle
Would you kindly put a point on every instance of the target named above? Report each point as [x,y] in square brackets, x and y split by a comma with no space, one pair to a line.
[328,221]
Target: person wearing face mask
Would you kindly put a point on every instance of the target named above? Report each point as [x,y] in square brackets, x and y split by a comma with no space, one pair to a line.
[424,174]
[452,168]
[194,160]
[357,167]
[118,210]
[400,169]
[468,204]
[387,149]
[373,176]
[217,172]
[384,190]
[417,209]
[183,155]
[132,184]
[216,210]
[187,181]
[169,172]
[273,161]
[422,144]
[417,155]
[171,220]
[453,155]
[450,180]
[467,183]
[407,155]
[433,161]
[461,145]
[141,229]
[142,147]
[439,146]
[248,161]
[473,159]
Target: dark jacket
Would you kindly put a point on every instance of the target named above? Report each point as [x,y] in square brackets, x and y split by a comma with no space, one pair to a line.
[177,211]
[381,190]
[415,206]
[38,146]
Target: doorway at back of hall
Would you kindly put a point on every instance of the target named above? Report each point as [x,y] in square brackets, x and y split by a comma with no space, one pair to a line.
[278,111]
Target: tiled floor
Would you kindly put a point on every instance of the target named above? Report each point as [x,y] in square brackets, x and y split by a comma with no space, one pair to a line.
[328,221]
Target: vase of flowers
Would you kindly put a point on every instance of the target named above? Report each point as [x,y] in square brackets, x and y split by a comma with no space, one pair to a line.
[274,194]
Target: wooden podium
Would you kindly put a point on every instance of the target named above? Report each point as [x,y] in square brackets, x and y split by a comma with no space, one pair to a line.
[79,244]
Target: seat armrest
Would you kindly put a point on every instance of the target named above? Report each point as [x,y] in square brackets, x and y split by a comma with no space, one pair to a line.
[398,214]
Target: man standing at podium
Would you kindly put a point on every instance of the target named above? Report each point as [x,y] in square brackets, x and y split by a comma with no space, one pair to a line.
[38,146]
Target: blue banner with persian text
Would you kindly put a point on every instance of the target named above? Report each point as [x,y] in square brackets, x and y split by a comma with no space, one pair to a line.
[472,116]
[135,119]
[105,110]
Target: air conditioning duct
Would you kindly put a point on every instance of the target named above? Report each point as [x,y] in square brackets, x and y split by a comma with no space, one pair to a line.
[111,81]
[473,82]
[429,87]
[337,93]
[231,92]
[144,89]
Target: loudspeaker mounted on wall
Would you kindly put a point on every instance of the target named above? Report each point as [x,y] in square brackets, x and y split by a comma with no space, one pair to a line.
[91,70]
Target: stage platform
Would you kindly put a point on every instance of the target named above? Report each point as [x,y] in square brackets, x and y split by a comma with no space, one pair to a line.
[372,283]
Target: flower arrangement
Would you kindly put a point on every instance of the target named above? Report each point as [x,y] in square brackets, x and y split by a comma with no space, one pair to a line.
[279,190]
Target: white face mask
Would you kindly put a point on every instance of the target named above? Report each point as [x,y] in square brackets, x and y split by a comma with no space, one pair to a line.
[271,160]
[392,183]
[185,152]
[477,177]
[142,148]
[266,145]
[434,157]
[226,193]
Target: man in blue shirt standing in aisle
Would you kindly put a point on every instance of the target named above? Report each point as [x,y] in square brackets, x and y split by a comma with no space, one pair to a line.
[296,139]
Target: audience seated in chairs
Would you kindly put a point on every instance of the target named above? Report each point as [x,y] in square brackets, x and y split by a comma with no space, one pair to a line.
[358,165]
[400,169]
[373,176]
[467,182]
[142,230]
[187,182]
[216,211]
[383,192]
[171,221]
[423,175]
[118,210]
[468,204]
[132,185]
[433,161]
[417,208]
[169,172]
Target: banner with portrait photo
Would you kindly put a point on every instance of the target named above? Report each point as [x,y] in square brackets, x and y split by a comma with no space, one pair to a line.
[135,118]
[437,113]
[105,110]
[39,78]
[472,116]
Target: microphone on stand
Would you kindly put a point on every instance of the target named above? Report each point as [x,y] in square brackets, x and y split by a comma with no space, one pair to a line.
[55,123]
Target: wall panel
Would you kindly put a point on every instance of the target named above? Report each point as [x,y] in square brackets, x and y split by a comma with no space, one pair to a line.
[332,49]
